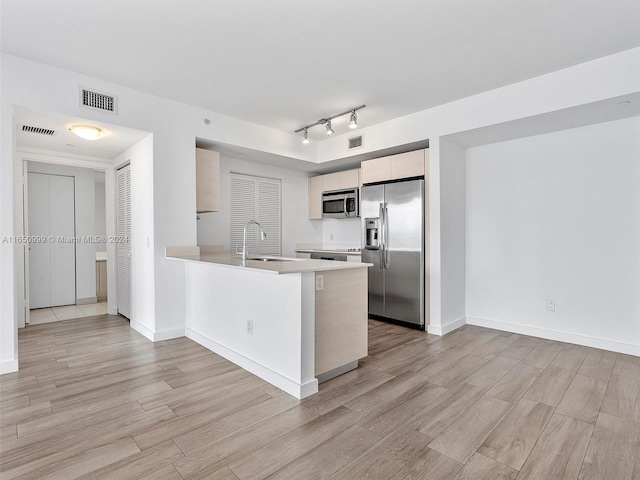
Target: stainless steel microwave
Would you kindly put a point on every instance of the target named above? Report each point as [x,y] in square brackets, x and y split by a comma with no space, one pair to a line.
[340,204]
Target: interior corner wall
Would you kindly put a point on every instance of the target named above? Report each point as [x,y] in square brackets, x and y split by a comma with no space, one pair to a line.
[215,228]
[452,234]
[557,217]
[84,192]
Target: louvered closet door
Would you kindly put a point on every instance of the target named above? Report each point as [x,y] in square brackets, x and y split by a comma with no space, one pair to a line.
[256,198]
[123,231]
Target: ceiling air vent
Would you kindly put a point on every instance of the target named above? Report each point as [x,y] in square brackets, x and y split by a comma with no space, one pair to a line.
[355,142]
[97,100]
[38,130]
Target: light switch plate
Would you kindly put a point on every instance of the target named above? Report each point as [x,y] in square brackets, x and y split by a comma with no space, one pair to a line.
[319,282]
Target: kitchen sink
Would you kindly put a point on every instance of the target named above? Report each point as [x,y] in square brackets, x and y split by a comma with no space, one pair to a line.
[272,259]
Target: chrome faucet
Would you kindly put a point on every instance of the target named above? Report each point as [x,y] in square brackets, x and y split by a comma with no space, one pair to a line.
[244,238]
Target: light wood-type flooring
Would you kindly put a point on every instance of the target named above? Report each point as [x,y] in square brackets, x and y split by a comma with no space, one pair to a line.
[94,399]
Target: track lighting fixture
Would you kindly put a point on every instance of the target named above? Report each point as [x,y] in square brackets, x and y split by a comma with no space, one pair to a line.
[353,120]
[353,123]
[327,125]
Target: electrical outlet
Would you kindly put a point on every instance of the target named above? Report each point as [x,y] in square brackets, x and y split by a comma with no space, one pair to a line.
[250,327]
[319,282]
[551,305]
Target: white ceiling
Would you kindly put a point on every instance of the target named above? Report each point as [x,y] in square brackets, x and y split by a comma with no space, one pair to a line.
[286,63]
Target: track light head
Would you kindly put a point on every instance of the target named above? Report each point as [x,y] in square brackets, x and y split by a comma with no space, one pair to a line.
[353,120]
[328,127]
[305,140]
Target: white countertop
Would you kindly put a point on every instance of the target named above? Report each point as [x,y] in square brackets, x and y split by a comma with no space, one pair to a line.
[286,265]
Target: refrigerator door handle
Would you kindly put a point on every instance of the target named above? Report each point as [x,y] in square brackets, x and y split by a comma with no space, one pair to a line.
[381,235]
[385,233]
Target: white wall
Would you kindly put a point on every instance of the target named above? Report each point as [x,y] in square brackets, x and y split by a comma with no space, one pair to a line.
[342,233]
[557,216]
[215,227]
[452,237]
[84,223]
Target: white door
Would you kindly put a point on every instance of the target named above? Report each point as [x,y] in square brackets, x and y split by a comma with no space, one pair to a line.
[123,230]
[52,264]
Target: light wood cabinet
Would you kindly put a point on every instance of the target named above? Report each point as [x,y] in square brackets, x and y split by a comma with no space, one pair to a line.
[341,318]
[327,183]
[101,281]
[394,167]
[376,170]
[315,197]
[341,180]
[207,181]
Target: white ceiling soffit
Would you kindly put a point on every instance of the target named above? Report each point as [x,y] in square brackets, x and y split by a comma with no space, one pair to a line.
[285,64]
[116,140]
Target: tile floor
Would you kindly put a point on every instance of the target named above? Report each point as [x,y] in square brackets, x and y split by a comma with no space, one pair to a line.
[66,312]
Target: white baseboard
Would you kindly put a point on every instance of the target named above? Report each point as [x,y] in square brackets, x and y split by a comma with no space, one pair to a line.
[601,343]
[168,334]
[8,366]
[156,336]
[446,328]
[288,385]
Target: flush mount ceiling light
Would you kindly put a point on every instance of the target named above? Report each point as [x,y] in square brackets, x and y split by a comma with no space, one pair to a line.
[353,122]
[88,132]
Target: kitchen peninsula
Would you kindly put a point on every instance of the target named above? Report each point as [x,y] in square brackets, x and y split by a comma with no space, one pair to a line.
[293,322]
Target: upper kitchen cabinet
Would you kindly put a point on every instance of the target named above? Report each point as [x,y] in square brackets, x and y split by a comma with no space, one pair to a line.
[395,167]
[328,183]
[315,198]
[207,181]
[341,180]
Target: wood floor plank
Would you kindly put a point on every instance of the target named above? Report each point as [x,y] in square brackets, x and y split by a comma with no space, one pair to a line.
[442,412]
[429,464]
[457,372]
[138,465]
[8,432]
[388,418]
[598,364]
[583,399]
[522,347]
[491,372]
[494,346]
[542,355]
[515,383]
[329,457]
[439,363]
[622,398]
[463,437]
[381,395]
[480,467]
[86,461]
[627,366]
[170,473]
[233,447]
[570,357]
[273,456]
[560,450]
[614,450]
[210,424]
[512,441]
[551,385]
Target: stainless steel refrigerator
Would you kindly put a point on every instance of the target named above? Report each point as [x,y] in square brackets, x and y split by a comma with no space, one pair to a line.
[393,231]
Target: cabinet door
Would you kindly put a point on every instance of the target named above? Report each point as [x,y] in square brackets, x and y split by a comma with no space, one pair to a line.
[315,197]
[376,170]
[341,180]
[407,165]
[207,181]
